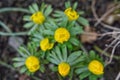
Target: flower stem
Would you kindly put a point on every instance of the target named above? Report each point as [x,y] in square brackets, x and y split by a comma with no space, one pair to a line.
[105,53]
[10,32]
[5,26]
[6,65]
[13,34]
[14,9]
[36,78]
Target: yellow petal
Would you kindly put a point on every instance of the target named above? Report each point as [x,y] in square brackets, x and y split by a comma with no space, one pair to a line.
[96,67]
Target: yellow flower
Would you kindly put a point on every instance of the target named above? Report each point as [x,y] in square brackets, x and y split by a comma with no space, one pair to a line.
[64,69]
[96,67]
[71,14]
[45,44]
[38,18]
[32,63]
[61,35]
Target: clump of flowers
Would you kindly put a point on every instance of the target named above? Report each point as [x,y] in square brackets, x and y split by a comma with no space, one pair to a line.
[53,33]
[54,41]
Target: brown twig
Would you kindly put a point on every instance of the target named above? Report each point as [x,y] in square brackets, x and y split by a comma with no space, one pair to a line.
[107,26]
[110,27]
[118,76]
[113,50]
[107,13]
[105,53]
[99,20]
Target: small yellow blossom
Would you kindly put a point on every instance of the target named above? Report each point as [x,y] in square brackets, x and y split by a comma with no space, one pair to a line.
[32,63]
[38,18]
[96,67]
[46,45]
[61,35]
[64,69]
[71,14]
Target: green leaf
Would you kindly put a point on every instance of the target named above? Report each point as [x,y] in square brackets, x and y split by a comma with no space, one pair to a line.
[31,9]
[78,60]
[18,59]
[53,68]
[42,68]
[76,30]
[81,12]
[48,32]
[92,54]
[74,41]
[69,45]
[81,70]
[28,73]
[32,29]
[42,8]
[35,7]
[38,36]
[24,50]
[36,40]
[92,77]
[67,4]
[57,15]
[18,64]
[59,12]
[23,69]
[64,51]
[75,5]
[53,24]
[70,25]
[64,22]
[73,56]
[83,21]
[58,52]
[53,61]
[21,53]
[48,10]
[28,25]
[55,57]
[26,18]
[32,47]
[84,75]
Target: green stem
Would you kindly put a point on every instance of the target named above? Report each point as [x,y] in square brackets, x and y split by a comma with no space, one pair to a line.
[5,26]
[14,9]
[13,34]
[6,65]
[59,77]
[105,53]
